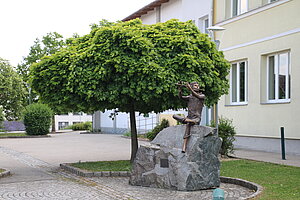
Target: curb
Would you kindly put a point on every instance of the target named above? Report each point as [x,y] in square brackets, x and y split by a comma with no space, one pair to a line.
[5,173]
[84,173]
[14,137]
[247,184]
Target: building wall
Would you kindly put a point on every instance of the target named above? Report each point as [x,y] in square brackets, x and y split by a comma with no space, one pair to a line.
[270,29]
[171,10]
[183,10]
[70,118]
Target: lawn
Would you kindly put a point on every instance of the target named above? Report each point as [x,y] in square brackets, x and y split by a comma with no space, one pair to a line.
[12,134]
[119,165]
[279,181]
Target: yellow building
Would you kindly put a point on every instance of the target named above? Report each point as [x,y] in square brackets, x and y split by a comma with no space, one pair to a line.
[262,42]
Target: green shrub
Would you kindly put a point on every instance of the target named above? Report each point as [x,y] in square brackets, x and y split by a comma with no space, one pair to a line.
[1,119]
[37,119]
[226,132]
[81,126]
[152,134]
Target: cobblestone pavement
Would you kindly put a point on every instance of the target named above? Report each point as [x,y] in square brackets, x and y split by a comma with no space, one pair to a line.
[68,186]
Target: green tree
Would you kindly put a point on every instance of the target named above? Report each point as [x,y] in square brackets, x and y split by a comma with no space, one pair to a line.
[46,46]
[12,91]
[49,44]
[132,67]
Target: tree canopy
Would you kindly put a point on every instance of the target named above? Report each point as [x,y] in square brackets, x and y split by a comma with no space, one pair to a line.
[12,91]
[132,67]
[126,64]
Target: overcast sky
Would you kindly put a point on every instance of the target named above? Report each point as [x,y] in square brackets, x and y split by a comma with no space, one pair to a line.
[22,21]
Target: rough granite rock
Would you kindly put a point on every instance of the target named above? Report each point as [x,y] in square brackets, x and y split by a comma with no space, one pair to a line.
[162,164]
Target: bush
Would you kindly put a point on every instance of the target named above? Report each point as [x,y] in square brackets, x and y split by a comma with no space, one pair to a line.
[81,126]
[152,134]
[1,118]
[37,119]
[226,132]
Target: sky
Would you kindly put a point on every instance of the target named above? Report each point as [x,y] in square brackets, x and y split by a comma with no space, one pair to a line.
[22,21]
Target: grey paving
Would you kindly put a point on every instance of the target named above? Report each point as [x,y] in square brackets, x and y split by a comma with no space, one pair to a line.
[291,160]
[35,174]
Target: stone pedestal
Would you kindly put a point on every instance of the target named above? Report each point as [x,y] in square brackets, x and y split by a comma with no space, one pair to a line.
[162,164]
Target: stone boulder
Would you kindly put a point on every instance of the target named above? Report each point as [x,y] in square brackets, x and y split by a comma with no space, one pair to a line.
[162,164]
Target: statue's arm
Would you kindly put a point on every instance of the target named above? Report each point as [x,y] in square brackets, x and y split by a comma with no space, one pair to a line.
[199,96]
[180,93]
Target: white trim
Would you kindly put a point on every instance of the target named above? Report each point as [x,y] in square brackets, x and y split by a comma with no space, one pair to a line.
[251,12]
[238,83]
[262,39]
[276,71]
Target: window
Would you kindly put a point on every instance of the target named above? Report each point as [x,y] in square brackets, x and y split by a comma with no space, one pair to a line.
[278,77]
[239,7]
[238,83]
[203,24]
[62,125]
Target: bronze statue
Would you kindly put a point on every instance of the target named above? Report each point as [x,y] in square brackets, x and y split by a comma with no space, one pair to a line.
[195,104]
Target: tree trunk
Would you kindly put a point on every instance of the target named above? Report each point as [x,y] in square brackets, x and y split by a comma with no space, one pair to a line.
[53,124]
[134,141]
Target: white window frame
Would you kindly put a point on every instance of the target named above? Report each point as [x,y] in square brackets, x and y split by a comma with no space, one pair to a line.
[239,7]
[238,102]
[276,69]
[201,24]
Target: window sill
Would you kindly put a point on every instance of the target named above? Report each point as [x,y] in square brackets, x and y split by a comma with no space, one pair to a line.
[237,104]
[276,102]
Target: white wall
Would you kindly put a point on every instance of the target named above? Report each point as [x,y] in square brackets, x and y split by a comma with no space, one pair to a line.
[183,10]
[195,9]
[171,10]
[70,118]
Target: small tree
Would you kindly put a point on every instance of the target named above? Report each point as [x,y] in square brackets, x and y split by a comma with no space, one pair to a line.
[132,67]
[37,119]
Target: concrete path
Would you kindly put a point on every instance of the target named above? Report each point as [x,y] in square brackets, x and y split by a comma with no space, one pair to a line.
[291,160]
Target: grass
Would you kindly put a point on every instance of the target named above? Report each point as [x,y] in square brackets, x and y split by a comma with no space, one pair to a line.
[2,170]
[128,134]
[279,181]
[119,165]
[12,134]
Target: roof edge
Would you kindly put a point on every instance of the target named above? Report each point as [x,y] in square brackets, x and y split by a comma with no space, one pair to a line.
[144,10]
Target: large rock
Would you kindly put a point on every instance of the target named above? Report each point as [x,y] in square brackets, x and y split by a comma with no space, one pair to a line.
[161,164]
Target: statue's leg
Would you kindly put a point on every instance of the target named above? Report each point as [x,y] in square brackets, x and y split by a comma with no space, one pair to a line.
[179,118]
[187,134]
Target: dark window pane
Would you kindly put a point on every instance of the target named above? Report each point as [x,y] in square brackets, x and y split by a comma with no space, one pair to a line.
[271,81]
[282,75]
[234,8]
[242,82]
[234,83]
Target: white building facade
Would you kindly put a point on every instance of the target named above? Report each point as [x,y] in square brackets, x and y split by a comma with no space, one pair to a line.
[68,119]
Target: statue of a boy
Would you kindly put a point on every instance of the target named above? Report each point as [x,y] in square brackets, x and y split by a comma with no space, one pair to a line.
[195,104]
